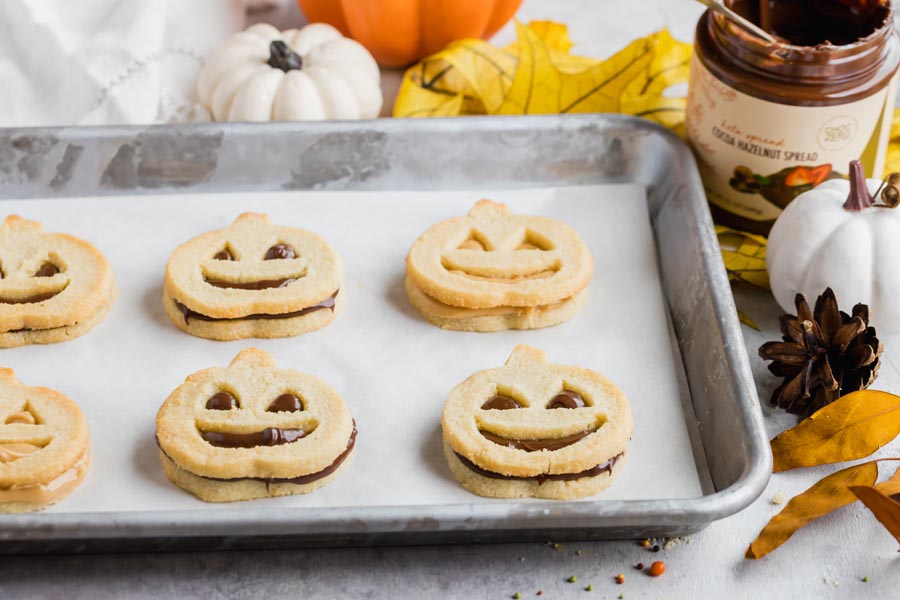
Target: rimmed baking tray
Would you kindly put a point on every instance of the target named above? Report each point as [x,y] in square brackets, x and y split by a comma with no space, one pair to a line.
[720,400]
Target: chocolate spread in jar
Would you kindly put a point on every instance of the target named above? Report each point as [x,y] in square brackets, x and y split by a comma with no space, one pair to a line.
[770,121]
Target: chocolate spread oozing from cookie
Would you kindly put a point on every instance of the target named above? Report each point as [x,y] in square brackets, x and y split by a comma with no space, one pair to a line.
[270,436]
[302,479]
[328,303]
[536,445]
[605,467]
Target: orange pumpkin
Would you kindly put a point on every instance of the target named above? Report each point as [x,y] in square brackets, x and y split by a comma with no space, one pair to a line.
[401,32]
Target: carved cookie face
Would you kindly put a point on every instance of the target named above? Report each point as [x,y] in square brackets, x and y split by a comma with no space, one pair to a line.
[253,420]
[532,418]
[253,267]
[492,257]
[43,439]
[48,280]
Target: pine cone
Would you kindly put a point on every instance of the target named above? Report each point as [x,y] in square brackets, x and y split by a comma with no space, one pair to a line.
[826,354]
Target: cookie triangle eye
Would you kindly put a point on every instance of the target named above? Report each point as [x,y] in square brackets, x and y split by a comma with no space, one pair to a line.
[223,254]
[222,401]
[24,416]
[279,252]
[567,399]
[48,269]
[533,241]
[286,403]
[474,242]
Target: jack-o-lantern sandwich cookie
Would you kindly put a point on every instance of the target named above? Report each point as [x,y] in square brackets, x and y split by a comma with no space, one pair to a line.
[253,430]
[253,279]
[493,270]
[531,429]
[53,287]
[44,446]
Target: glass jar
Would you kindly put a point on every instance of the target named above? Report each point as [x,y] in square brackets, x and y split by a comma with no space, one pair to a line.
[770,121]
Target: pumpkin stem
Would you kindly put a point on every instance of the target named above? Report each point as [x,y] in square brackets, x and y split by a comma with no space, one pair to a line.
[282,57]
[859,197]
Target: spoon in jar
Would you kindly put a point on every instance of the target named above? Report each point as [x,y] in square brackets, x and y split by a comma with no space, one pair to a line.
[717,6]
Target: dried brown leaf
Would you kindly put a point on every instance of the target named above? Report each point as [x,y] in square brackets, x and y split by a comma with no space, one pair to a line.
[850,428]
[885,508]
[829,494]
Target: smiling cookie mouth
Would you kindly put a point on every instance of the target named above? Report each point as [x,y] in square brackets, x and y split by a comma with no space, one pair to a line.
[300,480]
[537,445]
[517,278]
[32,299]
[262,284]
[270,436]
[604,467]
[326,304]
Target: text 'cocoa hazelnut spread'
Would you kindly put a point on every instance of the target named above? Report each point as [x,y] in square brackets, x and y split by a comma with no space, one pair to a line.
[771,121]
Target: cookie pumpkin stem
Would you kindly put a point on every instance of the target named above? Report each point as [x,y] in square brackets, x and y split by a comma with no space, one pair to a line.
[282,57]
[859,197]
[523,355]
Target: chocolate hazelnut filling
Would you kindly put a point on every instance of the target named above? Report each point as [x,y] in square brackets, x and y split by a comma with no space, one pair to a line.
[536,445]
[567,399]
[263,284]
[328,303]
[501,402]
[270,436]
[605,467]
[302,479]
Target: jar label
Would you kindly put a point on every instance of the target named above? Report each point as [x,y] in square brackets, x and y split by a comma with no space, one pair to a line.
[756,156]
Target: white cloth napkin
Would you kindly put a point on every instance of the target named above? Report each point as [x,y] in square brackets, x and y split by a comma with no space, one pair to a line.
[107,62]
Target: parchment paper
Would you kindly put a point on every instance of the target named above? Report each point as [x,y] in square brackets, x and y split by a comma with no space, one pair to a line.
[393,369]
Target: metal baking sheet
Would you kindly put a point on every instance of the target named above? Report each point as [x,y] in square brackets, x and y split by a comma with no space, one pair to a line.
[720,403]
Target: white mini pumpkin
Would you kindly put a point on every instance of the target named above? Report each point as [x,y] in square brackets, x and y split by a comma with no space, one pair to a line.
[313,73]
[830,237]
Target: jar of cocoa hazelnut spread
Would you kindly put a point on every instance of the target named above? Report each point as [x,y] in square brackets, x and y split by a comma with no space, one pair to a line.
[770,121]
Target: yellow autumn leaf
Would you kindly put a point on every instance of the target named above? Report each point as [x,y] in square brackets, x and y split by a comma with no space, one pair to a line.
[455,78]
[600,88]
[890,486]
[646,96]
[537,75]
[852,427]
[481,71]
[554,35]
[744,255]
[827,495]
[746,320]
[536,81]
[892,161]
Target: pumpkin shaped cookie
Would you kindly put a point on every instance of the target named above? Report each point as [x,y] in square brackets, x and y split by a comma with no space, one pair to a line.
[44,446]
[252,430]
[534,429]
[253,279]
[493,270]
[53,287]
